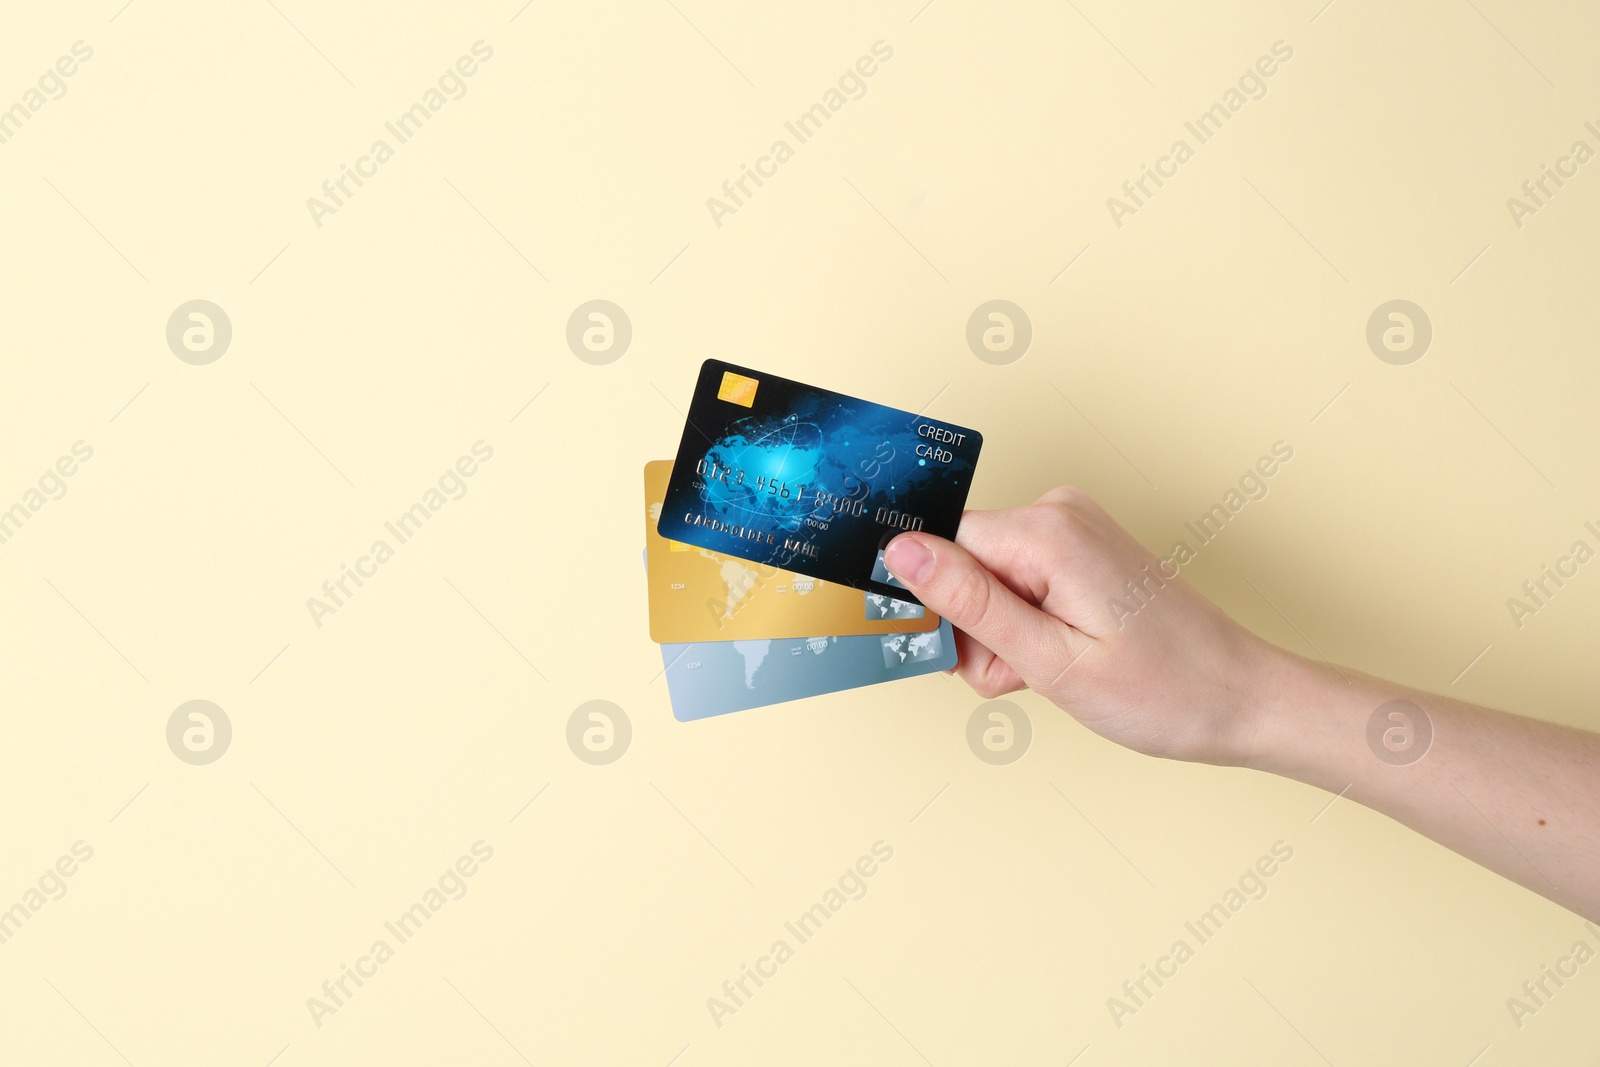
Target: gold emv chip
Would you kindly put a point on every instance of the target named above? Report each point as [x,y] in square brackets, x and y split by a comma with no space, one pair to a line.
[737,389]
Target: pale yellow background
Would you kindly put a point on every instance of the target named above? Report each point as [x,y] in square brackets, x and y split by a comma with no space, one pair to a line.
[371,352]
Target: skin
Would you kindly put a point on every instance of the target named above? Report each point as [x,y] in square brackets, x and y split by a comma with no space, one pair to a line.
[1029,589]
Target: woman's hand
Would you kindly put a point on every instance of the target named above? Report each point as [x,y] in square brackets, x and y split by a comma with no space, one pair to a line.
[1058,598]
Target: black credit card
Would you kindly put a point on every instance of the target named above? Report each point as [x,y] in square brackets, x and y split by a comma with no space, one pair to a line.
[809,480]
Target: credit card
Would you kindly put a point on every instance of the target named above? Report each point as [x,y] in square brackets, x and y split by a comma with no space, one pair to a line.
[698,595]
[717,677]
[792,476]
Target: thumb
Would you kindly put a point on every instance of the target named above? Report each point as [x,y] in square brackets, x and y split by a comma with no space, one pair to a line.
[946,578]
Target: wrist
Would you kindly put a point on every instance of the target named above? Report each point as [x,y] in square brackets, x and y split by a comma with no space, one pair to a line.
[1288,706]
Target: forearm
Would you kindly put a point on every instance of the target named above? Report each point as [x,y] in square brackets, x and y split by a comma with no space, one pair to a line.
[1518,796]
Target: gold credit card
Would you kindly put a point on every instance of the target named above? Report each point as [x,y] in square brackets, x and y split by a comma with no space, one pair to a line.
[697,595]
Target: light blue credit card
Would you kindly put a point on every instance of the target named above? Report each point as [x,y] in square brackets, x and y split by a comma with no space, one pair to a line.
[717,677]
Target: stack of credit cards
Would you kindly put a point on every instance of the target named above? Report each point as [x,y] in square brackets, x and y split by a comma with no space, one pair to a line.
[764,542]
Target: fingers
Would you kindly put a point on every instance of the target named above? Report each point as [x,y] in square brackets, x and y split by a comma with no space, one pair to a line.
[983,532]
[987,674]
[950,581]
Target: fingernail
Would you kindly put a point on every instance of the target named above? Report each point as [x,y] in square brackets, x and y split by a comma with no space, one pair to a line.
[909,560]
